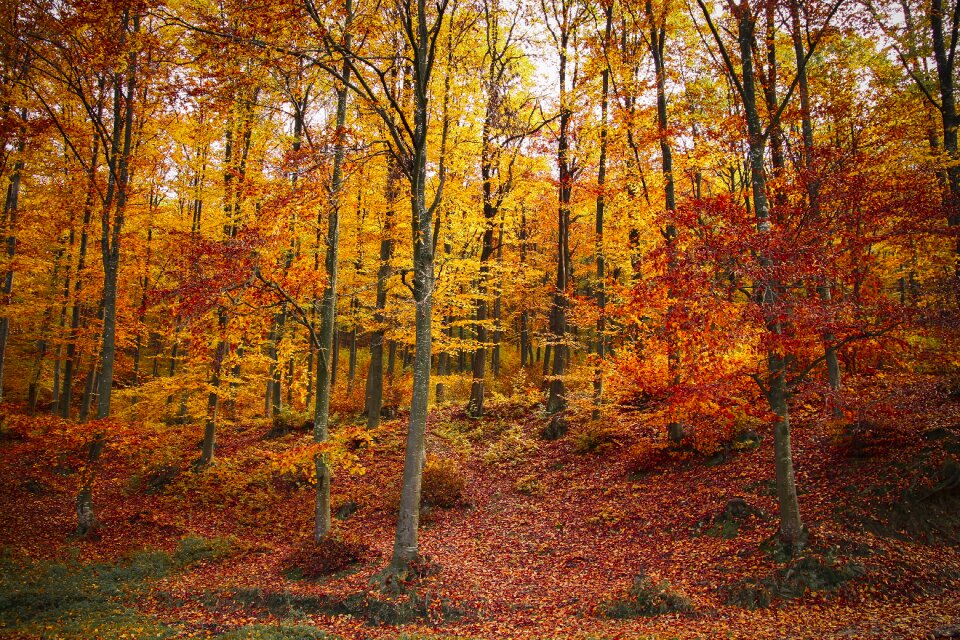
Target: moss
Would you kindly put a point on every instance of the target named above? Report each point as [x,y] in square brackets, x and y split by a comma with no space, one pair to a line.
[808,573]
[276,632]
[76,600]
[71,600]
[646,598]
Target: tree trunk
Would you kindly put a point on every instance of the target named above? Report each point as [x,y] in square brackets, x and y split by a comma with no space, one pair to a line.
[676,431]
[557,401]
[943,51]
[601,293]
[213,399]
[405,548]
[791,525]
[117,185]
[374,390]
[813,193]
[352,361]
[327,349]
[10,222]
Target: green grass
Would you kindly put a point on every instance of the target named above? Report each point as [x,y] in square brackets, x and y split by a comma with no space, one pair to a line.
[76,600]
[276,632]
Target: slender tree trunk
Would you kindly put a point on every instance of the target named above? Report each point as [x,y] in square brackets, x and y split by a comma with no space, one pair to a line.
[111,230]
[10,210]
[352,361]
[556,400]
[209,442]
[327,348]
[110,238]
[812,183]
[791,525]
[405,547]
[526,343]
[601,294]
[374,390]
[675,430]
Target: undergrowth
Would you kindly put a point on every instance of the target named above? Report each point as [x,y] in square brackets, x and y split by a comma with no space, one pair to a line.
[76,600]
[646,598]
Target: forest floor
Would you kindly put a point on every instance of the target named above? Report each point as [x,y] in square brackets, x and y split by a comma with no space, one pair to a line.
[545,537]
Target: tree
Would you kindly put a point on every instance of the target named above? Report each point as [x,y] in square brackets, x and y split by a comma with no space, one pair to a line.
[563,21]
[768,291]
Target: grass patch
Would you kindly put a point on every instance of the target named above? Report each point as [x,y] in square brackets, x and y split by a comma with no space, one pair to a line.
[806,574]
[404,608]
[276,632]
[194,549]
[76,600]
[71,600]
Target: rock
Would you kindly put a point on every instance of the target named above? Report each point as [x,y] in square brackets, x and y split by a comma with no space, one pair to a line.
[389,411]
[949,631]
[746,440]
[678,432]
[346,510]
[556,428]
[36,487]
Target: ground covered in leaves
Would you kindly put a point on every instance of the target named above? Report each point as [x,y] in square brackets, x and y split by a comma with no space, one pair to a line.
[603,533]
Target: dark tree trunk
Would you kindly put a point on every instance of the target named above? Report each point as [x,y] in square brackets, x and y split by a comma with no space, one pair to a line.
[374,391]
[601,293]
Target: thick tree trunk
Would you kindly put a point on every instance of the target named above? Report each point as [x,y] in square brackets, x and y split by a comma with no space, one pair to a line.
[943,50]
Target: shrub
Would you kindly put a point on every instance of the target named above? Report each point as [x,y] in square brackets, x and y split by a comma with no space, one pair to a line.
[154,479]
[286,421]
[513,446]
[648,458]
[443,483]
[726,524]
[647,598]
[333,554]
[868,439]
[194,549]
[529,485]
[596,436]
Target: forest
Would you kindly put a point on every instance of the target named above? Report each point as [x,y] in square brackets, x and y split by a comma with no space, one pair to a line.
[412,319]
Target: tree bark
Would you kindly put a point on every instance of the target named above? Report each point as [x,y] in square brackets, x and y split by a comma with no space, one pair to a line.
[328,310]
[556,400]
[10,210]
[374,390]
[791,525]
[601,293]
